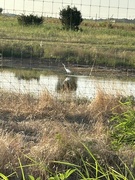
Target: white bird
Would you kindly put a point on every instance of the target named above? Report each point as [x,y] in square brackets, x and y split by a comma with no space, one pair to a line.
[67,70]
[41,44]
[67,79]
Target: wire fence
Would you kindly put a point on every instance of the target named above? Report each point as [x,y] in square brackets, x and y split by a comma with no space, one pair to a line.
[90,9]
[100,55]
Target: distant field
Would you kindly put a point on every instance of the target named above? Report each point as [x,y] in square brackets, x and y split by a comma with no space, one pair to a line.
[105,43]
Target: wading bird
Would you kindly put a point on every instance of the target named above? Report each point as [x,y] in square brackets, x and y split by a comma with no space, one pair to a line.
[67,70]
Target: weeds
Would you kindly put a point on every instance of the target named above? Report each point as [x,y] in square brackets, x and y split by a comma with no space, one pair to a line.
[63,176]
[86,171]
[123,127]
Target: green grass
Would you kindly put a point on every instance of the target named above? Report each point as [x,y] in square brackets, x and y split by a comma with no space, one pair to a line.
[122,131]
[110,47]
[89,169]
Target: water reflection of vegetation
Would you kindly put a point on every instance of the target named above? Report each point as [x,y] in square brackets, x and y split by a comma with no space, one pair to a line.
[28,74]
[67,84]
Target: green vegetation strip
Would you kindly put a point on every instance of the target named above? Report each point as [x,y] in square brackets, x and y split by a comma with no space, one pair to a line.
[112,47]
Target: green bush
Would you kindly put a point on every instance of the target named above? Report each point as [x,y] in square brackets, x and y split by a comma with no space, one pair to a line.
[30,20]
[1,10]
[70,18]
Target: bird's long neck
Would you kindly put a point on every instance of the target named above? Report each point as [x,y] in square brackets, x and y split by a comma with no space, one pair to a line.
[64,66]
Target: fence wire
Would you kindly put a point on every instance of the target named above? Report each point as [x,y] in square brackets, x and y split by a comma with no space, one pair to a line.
[90,9]
[99,55]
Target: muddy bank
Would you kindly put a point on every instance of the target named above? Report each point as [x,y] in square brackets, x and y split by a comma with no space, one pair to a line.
[55,65]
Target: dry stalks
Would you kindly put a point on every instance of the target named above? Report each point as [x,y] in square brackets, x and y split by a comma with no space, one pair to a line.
[51,129]
[104,105]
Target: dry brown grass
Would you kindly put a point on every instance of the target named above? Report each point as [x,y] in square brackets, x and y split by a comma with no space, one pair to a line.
[104,105]
[46,129]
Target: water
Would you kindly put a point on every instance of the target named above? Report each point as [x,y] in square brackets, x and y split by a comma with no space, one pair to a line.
[77,86]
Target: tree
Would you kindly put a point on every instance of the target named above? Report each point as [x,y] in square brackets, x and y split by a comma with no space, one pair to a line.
[70,18]
[1,10]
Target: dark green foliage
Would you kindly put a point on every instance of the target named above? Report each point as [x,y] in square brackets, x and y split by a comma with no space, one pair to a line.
[1,10]
[70,18]
[30,19]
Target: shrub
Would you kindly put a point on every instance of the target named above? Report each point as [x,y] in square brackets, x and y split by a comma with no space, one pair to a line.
[1,10]
[70,18]
[30,19]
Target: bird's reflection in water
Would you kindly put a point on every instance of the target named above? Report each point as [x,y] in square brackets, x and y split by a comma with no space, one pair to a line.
[68,84]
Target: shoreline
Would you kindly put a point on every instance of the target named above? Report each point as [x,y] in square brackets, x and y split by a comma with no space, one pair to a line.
[54,66]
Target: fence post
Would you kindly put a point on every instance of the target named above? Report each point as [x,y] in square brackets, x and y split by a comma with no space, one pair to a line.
[1,60]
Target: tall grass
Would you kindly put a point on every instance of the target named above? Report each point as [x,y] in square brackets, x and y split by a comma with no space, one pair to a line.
[123,126]
[89,168]
[40,137]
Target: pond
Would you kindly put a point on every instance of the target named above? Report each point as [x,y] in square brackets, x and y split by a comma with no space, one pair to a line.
[76,86]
